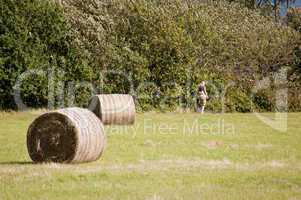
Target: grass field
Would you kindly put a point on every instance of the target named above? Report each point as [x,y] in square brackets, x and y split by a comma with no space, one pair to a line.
[164,156]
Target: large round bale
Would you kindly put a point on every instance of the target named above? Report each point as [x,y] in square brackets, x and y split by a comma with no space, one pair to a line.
[114,109]
[72,135]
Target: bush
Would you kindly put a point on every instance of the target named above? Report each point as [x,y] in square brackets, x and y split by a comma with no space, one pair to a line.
[173,45]
[35,40]
[294,19]
[157,50]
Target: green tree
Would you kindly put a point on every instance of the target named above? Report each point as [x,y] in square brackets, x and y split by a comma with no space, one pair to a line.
[34,35]
[182,42]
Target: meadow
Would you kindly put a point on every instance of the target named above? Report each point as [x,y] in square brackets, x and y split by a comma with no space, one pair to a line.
[164,156]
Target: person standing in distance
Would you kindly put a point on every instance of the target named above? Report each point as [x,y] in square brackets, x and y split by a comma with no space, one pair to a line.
[202,97]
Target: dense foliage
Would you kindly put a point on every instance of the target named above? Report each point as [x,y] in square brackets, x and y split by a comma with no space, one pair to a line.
[156,50]
[294,19]
[35,43]
[176,44]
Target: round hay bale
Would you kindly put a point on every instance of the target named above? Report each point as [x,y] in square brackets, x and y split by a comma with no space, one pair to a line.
[72,135]
[114,109]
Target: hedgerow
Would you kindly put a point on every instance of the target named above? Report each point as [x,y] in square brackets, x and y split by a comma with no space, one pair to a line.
[175,44]
[35,42]
[156,50]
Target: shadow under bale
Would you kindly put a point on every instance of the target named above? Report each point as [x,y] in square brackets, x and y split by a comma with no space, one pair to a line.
[17,163]
[72,135]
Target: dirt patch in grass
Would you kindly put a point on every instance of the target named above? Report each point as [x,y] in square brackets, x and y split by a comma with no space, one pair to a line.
[213,144]
[260,146]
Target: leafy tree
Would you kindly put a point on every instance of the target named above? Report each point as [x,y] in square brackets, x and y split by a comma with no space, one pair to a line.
[34,35]
[181,42]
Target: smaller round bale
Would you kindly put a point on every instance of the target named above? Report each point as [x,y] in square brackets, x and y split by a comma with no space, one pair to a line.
[72,135]
[114,109]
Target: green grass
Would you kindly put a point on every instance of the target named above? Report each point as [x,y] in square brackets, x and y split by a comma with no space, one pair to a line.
[195,159]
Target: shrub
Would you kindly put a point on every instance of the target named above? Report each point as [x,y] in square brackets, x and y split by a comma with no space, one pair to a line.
[294,19]
[156,50]
[35,39]
[175,44]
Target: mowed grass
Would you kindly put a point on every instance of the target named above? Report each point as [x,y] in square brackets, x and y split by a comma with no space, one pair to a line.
[164,156]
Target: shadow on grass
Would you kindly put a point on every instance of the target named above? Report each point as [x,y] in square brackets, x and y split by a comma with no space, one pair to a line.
[17,163]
